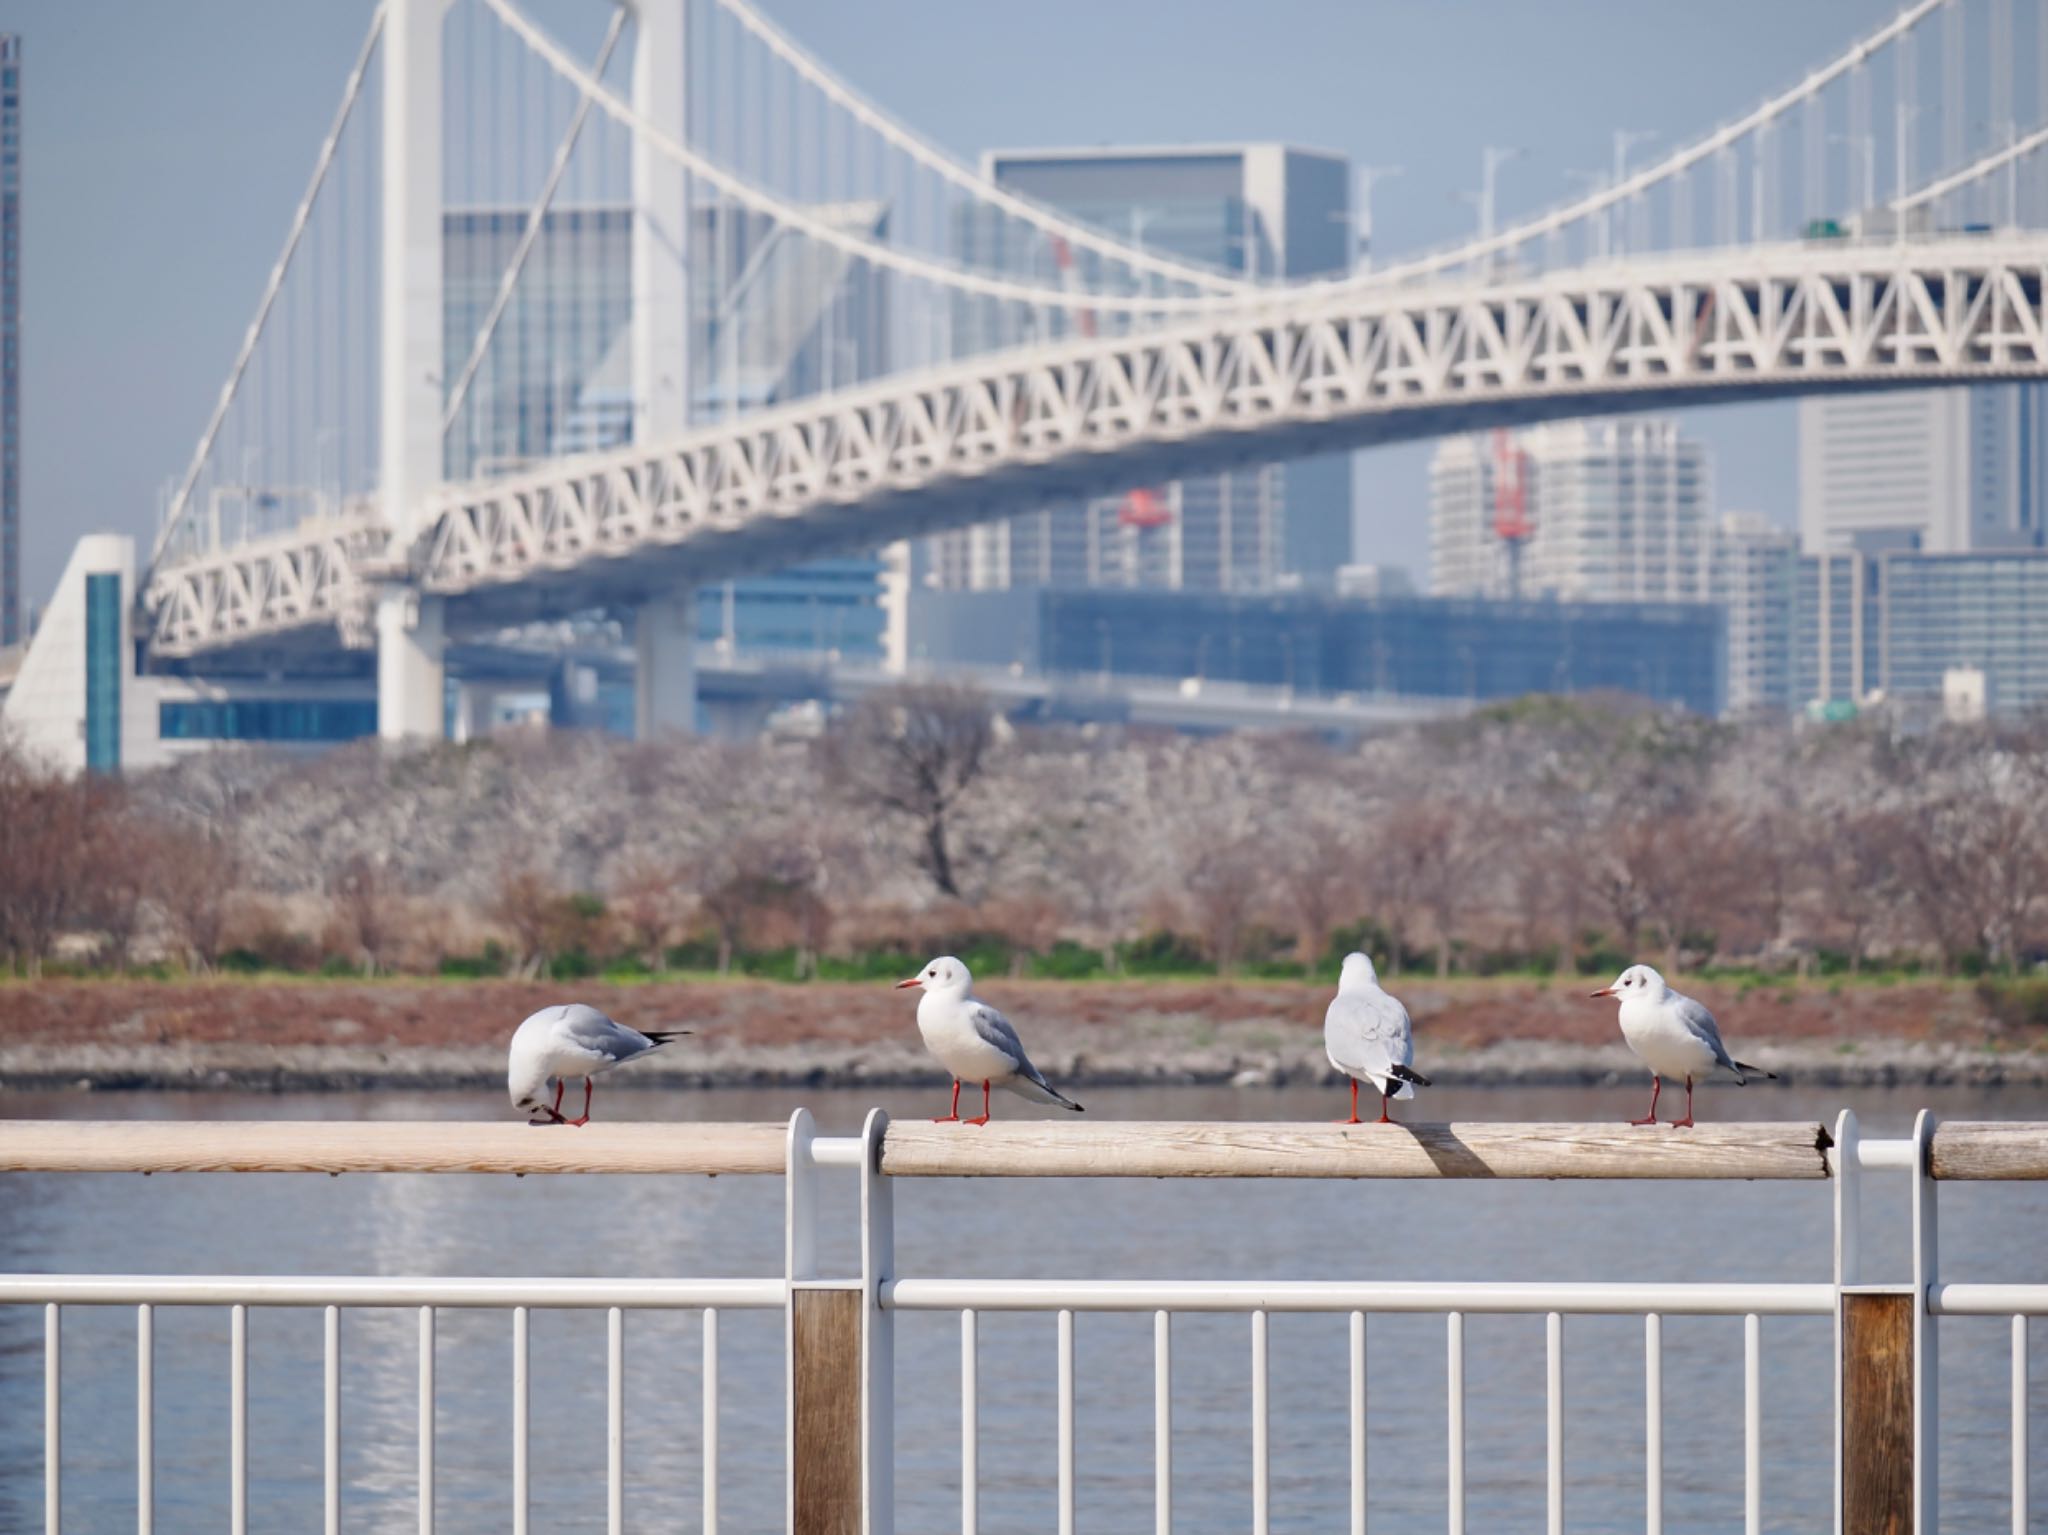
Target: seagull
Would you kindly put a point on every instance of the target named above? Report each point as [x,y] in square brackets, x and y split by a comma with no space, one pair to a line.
[1368,1037]
[974,1042]
[571,1039]
[1674,1035]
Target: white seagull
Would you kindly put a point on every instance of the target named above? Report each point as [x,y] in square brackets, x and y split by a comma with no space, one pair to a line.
[1367,1036]
[571,1039]
[974,1042]
[1674,1035]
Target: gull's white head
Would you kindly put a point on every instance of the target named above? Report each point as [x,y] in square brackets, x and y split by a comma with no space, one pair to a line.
[1357,971]
[944,976]
[533,1091]
[1635,981]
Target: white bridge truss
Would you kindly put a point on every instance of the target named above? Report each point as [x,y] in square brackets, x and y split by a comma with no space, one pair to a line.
[1306,370]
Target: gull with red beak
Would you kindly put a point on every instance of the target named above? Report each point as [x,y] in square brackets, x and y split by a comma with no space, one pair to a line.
[1674,1035]
[974,1042]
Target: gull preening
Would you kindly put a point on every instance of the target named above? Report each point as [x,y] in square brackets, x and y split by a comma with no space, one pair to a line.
[1674,1035]
[571,1039]
[975,1042]
[1368,1037]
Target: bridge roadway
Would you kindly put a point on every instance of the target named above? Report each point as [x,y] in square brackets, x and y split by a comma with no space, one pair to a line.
[1304,370]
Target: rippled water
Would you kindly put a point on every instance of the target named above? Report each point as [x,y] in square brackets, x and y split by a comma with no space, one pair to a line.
[1213,1229]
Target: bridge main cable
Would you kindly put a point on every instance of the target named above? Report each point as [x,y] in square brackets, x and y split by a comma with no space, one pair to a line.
[558,59]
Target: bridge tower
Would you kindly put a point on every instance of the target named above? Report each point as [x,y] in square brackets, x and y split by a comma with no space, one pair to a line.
[665,625]
[411,624]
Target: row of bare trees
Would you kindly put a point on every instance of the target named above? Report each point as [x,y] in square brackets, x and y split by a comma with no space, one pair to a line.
[1549,832]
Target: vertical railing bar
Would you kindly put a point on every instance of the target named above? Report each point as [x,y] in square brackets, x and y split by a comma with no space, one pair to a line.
[1752,1426]
[1553,1341]
[1358,1423]
[522,1418]
[1066,1385]
[1454,1329]
[1162,1422]
[2019,1425]
[145,1415]
[238,1420]
[710,1420]
[1845,1163]
[970,1429]
[1261,1422]
[330,1428]
[53,1419]
[1653,1424]
[426,1477]
[615,1421]
[1926,1335]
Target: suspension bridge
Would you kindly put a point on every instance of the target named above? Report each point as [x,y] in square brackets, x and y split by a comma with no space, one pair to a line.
[833,335]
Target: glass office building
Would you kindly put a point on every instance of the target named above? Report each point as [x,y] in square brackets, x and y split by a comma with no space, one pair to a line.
[1265,210]
[772,319]
[12,630]
[1428,647]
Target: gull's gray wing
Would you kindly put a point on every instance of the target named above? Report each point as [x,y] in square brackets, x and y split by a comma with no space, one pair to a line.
[997,1030]
[1701,1024]
[1366,1032]
[590,1030]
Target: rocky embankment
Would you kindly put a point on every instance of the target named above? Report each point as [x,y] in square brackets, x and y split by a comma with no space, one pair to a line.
[282,1035]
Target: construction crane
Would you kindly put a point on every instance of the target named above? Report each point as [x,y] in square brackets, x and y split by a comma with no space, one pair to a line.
[1511,524]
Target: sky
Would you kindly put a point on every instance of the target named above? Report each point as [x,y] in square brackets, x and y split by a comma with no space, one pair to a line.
[165,147]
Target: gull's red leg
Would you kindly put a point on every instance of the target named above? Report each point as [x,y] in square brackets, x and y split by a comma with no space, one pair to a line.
[953,1115]
[1354,1119]
[984,1107]
[1656,1087]
[1685,1123]
[1383,1108]
[586,1106]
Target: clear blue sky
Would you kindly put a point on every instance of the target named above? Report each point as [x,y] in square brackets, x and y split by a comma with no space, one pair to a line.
[166,145]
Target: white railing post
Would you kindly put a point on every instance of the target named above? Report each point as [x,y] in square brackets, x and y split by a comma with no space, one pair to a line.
[53,1419]
[1926,1350]
[799,1263]
[878,1335]
[1845,1163]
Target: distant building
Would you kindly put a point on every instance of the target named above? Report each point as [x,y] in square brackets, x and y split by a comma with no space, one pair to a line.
[1941,470]
[1755,580]
[1262,209]
[1619,510]
[1900,624]
[1424,647]
[11,629]
[796,317]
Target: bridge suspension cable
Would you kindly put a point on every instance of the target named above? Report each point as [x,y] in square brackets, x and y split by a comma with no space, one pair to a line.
[1046,220]
[181,501]
[803,222]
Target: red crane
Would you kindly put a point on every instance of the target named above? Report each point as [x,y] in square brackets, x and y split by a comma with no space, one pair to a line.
[1511,524]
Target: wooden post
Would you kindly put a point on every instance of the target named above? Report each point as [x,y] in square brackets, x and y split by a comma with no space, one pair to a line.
[1877,1412]
[825,1329]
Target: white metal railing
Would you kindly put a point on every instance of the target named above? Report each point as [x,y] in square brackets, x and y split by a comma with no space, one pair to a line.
[866,1365]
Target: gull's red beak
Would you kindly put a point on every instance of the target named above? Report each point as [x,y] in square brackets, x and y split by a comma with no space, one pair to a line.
[915,980]
[1604,991]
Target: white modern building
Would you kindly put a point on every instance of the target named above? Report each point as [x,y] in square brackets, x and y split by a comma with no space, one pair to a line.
[1940,470]
[1618,510]
[1755,579]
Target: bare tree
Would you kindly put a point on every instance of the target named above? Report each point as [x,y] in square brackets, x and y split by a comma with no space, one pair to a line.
[916,752]
[368,908]
[200,872]
[648,900]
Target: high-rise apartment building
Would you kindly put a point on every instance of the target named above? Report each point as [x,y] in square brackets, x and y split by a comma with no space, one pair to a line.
[1618,510]
[1939,470]
[1266,210]
[1754,579]
[11,628]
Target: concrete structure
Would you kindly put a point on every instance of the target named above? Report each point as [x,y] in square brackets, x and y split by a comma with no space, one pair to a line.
[1265,210]
[1755,580]
[1621,510]
[13,626]
[1940,470]
[1311,644]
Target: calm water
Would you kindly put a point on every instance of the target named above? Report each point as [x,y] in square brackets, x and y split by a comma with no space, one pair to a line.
[686,1226]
